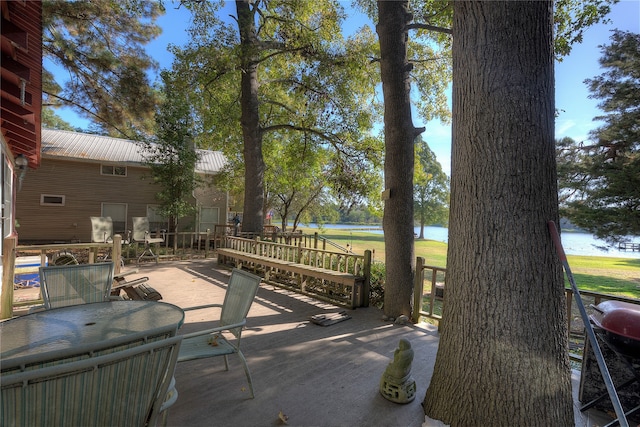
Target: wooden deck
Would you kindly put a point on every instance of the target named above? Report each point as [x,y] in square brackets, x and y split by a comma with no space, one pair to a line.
[315,375]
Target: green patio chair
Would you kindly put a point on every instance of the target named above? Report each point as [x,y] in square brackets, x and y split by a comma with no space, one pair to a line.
[123,388]
[85,351]
[241,292]
[63,285]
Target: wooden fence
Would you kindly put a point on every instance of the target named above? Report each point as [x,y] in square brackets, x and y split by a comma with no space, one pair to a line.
[92,251]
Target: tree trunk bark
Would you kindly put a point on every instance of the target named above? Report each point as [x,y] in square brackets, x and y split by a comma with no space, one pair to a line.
[503,354]
[399,136]
[252,215]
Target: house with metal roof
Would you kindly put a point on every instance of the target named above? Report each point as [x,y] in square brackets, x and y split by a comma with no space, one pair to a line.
[84,175]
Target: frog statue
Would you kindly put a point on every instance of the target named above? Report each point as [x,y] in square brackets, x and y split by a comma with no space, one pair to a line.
[396,383]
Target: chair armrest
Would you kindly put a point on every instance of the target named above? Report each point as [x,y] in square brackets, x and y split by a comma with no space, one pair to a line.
[126,273]
[218,329]
[133,282]
[198,307]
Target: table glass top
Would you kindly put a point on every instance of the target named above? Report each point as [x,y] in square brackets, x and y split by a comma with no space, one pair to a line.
[67,327]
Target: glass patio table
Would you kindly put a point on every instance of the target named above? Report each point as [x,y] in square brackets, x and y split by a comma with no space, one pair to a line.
[85,325]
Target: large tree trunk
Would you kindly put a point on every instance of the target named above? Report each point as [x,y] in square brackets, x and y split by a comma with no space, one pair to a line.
[399,136]
[253,216]
[503,357]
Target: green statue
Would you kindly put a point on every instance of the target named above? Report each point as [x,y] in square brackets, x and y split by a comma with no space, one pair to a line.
[396,383]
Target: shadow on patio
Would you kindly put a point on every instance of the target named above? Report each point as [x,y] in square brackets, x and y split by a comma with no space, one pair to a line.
[315,375]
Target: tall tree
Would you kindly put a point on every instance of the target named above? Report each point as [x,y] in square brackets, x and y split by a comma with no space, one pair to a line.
[394,22]
[100,46]
[253,213]
[430,188]
[397,221]
[503,356]
[602,178]
[171,154]
[289,71]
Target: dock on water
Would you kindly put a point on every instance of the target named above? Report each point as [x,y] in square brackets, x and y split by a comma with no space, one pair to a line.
[626,246]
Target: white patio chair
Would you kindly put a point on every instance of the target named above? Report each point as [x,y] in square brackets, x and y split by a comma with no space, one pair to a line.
[102,232]
[101,229]
[141,234]
[240,294]
[124,388]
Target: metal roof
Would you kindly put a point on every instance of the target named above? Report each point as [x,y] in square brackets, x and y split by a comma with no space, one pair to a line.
[99,148]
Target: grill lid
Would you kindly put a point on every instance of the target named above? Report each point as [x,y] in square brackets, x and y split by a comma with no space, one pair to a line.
[618,317]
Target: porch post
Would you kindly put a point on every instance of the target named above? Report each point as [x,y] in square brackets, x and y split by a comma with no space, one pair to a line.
[9,264]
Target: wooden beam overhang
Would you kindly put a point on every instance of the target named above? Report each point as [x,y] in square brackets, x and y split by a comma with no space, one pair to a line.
[21,77]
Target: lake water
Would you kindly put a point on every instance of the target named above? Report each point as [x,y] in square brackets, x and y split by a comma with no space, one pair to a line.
[573,243]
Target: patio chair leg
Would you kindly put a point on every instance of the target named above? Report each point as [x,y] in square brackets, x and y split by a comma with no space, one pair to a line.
[247,373]
[148,250]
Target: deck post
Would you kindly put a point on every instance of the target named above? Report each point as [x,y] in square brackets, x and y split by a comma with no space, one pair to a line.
[9,264]
[366,271]
[418,289]
[117,254]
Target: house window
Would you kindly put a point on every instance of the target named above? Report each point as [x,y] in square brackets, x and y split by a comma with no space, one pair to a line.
[209,217]
[51,200]
[113,170]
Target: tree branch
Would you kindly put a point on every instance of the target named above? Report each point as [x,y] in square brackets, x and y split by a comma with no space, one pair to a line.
[89,112]
[416,26]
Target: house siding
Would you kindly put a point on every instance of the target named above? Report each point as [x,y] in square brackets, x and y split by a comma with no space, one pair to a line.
[85,189]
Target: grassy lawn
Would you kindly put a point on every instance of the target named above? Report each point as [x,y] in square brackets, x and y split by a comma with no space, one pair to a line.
[616,276]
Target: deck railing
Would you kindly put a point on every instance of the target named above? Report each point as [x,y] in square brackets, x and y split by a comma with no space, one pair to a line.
[429,296]
[290,265]
[92,251]
[345,262]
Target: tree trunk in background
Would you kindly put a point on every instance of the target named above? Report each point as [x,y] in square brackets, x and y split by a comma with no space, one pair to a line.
[399,136]
[503,357]
[253,215]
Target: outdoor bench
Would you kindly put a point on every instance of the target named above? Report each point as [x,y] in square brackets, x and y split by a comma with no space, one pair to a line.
[341,278]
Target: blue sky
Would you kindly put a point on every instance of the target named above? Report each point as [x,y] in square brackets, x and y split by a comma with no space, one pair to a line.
[577,110]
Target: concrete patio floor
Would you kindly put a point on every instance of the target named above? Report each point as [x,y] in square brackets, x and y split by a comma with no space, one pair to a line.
[315,375]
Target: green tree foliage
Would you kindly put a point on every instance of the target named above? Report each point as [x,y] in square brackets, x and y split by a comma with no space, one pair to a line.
[100,46]
[572,17]
[600,180]
[430,188]
[171,154]
[309,85]
[296,177]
